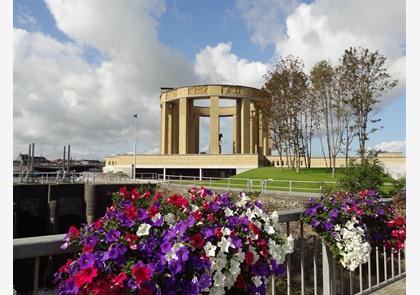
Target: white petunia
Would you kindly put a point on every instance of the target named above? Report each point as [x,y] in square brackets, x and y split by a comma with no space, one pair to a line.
[219,279]
[257,281]
[226,231]
[269,229]
[224,244]
[170,218]
[143,229]
[210,249]
[228,212]
[156,217]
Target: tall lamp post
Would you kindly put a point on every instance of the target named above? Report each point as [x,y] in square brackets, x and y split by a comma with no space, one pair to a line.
[135,141]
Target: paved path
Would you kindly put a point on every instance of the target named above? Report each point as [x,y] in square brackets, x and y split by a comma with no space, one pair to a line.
[396,288]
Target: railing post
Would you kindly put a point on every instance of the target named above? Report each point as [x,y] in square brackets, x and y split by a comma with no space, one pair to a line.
[290,187]
[36,276]
[52,206]
[15,220]
[328,270]
[90,195]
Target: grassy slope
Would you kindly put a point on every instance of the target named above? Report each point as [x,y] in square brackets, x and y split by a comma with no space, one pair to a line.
[314,174]
[282,179]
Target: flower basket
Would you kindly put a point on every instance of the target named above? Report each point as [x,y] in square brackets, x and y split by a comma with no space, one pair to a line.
[199,244]
[351,224]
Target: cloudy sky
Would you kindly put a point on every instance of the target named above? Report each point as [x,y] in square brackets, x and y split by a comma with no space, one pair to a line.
[83,68]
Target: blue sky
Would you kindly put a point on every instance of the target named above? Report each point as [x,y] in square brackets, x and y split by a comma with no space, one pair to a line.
[94,64]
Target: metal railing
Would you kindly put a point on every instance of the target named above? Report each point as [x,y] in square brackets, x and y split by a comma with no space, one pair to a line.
[79,177]
[310,261]
[249,184]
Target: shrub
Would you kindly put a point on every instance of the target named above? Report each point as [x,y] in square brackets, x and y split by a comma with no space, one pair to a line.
[368,174]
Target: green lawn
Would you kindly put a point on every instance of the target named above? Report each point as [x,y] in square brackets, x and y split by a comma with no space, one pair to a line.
[308,180]
[313,174]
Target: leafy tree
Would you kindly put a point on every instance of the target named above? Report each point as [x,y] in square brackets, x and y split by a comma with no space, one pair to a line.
[285,91]
[330,96]
[367,80]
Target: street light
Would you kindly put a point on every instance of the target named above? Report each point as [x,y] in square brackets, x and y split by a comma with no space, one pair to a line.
[135,131]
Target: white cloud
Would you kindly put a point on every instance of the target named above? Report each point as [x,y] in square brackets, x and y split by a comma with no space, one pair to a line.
[391,146]
[265,19]
[60,98]
[324,29]
[219,65]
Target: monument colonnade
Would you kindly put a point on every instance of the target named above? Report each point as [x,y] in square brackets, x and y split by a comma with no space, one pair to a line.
[180,119]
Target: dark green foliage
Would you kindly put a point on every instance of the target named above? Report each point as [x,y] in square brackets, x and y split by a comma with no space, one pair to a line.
[398,187]
[368,174]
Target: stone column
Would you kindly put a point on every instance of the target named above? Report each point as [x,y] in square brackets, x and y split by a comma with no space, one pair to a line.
[163,128]
[260,133]
[255,128]
[265,140]
[245,124]
[237,127]
[234,137]
[214,124]
[196,133]
[190,126]
[175,128]
[170,128]
[183,116]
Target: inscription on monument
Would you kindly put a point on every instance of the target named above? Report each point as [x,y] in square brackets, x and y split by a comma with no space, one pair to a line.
[197,90]
[171,94]
[232,90]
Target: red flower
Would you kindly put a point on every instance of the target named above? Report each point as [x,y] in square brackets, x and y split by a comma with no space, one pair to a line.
[262,243]
[146,195]
[145,291]
[178,201]
[197,215]
[363,194]
[218,232]
[98,224]
[131,212]
[87,249]
[157,197]
[101,287]
[118,281]
[205,206]
[240,282]
[141,274]
[85,276]
[249,257]
[124,192]
[254,228]
[153,210]
[73,231]
[65,267]
[197,241]
[135,194]
[211,217]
